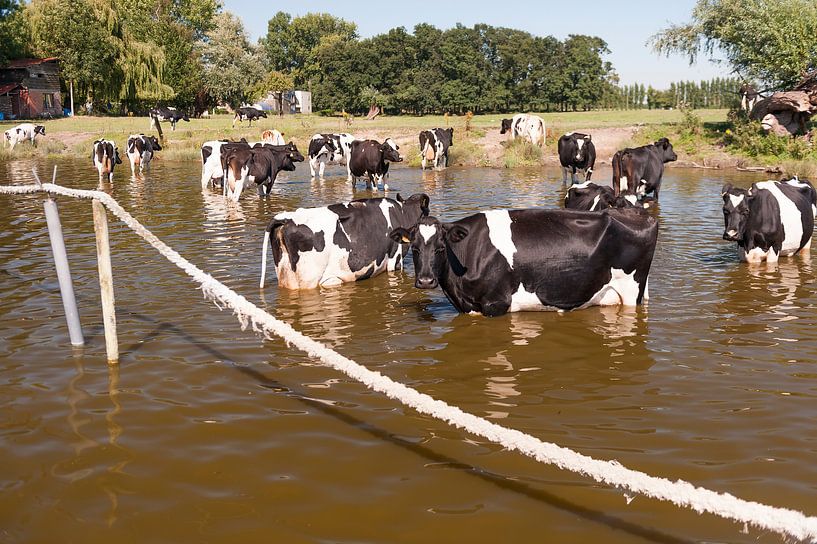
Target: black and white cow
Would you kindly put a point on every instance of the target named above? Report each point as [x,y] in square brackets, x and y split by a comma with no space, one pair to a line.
[248,113]
[434,146]
[770,219]
[168,113]
[211,167]
[321,247]
[140,150]
[527,126]
[259,164]
[748,97]
[518,260]
[639,170]
[21,133]
[590,197]
[326,148]
[576,152]
[371,159]
[105,157]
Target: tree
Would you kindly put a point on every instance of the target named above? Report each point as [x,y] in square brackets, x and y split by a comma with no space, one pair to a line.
[774,41]
[276,83]
[232,67]
[292,45]
[13,30]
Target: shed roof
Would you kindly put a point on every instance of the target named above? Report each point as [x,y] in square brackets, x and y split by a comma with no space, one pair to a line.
[8,87]
[23,63]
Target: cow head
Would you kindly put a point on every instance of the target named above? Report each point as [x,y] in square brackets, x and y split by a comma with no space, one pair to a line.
[429,248]
[506,125]
[262,113]
[39,129]
[291,156]
[665,150]
[390,149]
[415,207]
[154,142]
[735,211]
[582,141]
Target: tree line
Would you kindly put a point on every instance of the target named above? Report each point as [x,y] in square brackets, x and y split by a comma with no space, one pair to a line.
[714,93]
[194,55]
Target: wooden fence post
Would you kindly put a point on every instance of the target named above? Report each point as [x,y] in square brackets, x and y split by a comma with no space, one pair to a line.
[103,257]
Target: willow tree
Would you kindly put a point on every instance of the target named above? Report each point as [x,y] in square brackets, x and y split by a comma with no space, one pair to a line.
[774,41]
[95,51]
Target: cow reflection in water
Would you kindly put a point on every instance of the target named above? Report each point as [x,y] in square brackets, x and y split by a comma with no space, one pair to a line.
[322,314]
[217,209]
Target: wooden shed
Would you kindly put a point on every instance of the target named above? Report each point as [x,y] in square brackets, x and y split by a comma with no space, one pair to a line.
[30,88]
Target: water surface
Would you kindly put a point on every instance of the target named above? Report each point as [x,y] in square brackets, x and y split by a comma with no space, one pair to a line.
[207,433]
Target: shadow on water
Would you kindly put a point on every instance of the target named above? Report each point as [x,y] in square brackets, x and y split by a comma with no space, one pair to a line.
[520,331]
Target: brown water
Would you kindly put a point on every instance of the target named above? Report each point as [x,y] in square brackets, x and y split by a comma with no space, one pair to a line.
[205,433]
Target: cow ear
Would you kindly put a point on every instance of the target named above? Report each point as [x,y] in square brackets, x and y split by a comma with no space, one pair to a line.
[425,201]
[454,233]
[726,188]
[589,138]
[399,198]
[401,235]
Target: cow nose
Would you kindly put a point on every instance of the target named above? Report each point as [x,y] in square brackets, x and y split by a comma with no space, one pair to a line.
[730,235]
[425,282]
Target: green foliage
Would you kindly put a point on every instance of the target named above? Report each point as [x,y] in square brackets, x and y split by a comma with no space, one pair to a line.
[747,137]
[774,41]
[13,30]
[232,67]
[480,69]
[294,45]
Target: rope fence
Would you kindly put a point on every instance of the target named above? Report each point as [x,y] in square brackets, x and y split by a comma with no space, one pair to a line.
[785,522]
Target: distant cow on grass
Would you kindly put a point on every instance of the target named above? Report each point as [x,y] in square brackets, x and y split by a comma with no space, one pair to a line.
[248,114]
[23,132]
[163,113]
[527,126]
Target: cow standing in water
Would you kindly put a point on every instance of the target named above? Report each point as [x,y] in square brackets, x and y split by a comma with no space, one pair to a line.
[515,260]
[770,219]
[577,153]
[321,247]
[370,159]
[105,157]
[434,145]
[140,150]
[329,148]
[640,170]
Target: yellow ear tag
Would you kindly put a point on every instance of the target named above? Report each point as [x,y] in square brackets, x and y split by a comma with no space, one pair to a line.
[405,240]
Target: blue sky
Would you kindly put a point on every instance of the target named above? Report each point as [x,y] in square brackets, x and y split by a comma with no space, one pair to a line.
[624,25]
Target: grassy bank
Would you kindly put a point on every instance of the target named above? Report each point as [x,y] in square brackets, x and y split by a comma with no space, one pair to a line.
[700,137]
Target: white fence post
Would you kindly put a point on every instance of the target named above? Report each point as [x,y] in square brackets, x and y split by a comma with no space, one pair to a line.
[103,257]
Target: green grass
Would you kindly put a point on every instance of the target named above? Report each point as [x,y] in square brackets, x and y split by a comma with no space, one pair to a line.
[520,152]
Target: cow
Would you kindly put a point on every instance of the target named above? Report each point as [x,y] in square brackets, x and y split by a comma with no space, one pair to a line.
[639,170]
[370,158]
[168,113]
[21,133]
[248,114]
[324,148]
[501,261]
[590,197]
[105,157]
[748,97]
[434,146]
[140,150]
[260,164]
[273,137]
[211,168]
[527,126]
[322,247]
[576,152]
[770,219]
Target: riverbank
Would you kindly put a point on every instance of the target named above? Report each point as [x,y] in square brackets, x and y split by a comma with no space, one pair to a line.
[477,141]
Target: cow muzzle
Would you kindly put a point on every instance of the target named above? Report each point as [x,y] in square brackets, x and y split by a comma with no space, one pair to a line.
[425,282]
[731,235]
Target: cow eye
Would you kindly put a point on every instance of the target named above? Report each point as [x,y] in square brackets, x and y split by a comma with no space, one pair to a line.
[439,249]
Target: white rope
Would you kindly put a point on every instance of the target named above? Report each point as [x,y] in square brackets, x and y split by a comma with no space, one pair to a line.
[790,523]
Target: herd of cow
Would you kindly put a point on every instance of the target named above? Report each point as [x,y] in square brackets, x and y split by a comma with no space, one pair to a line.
[596,251]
